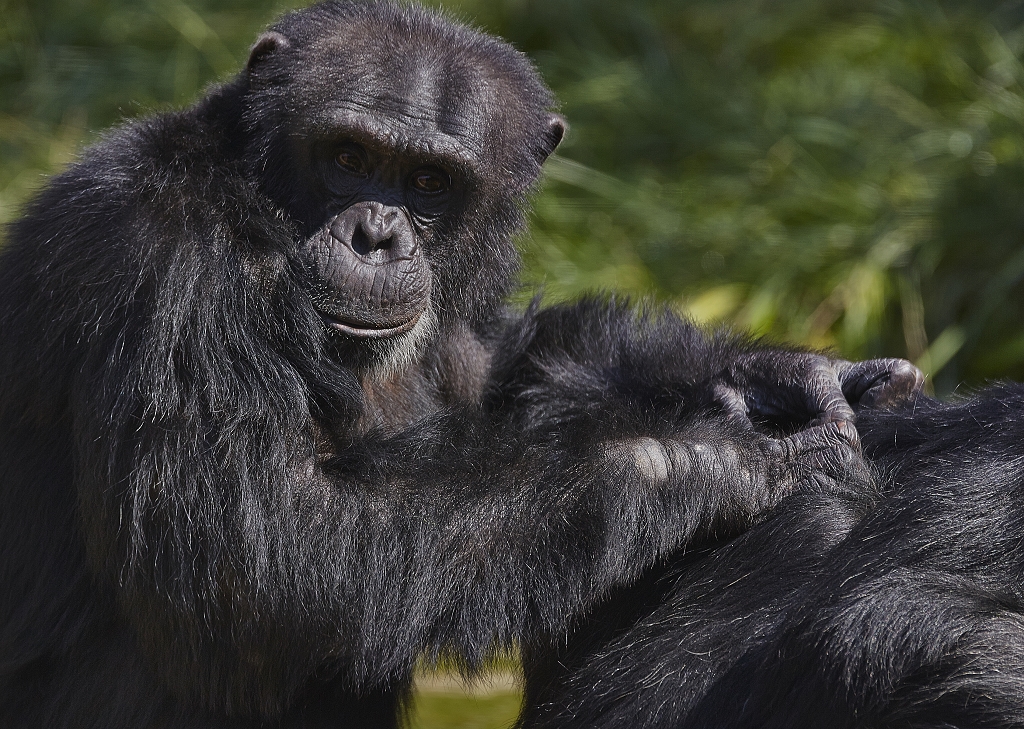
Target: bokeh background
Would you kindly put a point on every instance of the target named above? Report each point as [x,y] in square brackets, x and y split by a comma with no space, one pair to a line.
[844,174]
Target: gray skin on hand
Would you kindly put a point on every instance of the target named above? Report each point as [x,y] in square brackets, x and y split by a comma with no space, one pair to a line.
[813,404]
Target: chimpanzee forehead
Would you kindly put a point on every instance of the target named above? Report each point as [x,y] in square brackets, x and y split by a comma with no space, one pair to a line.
[414,92]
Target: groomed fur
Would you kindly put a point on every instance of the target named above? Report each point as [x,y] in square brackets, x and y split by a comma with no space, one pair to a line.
[898,609]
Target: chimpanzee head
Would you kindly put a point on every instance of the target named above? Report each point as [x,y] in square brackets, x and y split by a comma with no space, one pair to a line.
[403,147]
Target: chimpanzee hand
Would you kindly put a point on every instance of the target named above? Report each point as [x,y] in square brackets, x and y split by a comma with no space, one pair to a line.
[806,400]
[787,428]
[784,392]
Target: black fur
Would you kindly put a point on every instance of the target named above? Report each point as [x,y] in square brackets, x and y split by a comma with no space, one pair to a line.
[220,511]
[902,607]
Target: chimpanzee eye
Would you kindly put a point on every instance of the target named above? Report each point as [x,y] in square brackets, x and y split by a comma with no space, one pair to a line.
[430,182]
[351,161]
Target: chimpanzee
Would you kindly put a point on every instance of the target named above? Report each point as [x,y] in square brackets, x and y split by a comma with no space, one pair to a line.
[268,432]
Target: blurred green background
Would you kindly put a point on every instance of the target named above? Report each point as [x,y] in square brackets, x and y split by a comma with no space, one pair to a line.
[839,174]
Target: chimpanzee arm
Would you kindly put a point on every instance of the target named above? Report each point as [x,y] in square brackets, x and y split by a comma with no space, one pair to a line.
[487,534]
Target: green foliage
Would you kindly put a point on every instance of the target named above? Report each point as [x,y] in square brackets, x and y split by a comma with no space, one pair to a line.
[829,172]
[431,710]
[446,698]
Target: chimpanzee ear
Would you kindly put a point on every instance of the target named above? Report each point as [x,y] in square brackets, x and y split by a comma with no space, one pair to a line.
[552,135]
[265,45]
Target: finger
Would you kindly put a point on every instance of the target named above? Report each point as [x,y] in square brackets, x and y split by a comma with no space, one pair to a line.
[837,434]
[825,395]
[904,381]
[879,382]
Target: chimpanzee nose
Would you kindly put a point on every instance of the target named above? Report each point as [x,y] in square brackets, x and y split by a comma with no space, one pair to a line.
[375,231]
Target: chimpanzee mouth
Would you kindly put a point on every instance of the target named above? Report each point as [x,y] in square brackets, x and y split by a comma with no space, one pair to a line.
[368,330]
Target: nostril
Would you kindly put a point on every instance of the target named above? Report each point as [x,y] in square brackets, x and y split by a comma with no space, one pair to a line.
[364,242]
[361,242]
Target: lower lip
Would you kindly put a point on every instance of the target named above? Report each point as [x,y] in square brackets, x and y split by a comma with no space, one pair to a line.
[367,333]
